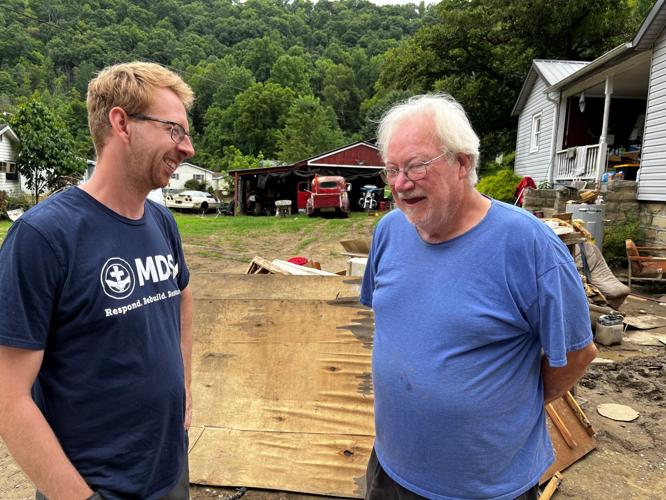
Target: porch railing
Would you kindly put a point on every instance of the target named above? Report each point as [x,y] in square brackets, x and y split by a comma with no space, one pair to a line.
[577,163]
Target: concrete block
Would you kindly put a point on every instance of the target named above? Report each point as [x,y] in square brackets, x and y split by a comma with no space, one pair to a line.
[659,221]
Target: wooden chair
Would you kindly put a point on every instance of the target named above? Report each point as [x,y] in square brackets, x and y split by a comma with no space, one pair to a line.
[643,266]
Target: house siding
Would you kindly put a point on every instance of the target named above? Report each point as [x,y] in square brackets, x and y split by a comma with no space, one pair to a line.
[186,172]
[652,185]
[534,164]
[8,153]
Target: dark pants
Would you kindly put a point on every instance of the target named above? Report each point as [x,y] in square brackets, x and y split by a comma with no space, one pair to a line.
[180,492]
[379,486]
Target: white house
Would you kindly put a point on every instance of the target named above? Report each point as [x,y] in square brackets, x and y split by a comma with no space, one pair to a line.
[9,178]
[187,171]
[572,122]
[537,116]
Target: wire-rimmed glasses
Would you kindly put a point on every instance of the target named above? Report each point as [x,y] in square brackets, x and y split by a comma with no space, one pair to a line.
[178,133]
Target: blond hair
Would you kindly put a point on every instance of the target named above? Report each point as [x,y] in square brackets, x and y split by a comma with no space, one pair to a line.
[452,127]
[129,86]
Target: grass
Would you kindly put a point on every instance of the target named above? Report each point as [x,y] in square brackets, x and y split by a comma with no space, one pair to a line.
[194,227]
[4,227]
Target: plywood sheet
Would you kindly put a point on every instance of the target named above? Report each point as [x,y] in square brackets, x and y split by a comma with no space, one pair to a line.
[326,464]
[273,286]
[291,375]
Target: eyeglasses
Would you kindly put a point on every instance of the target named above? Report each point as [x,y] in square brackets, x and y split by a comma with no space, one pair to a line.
[177,131]
[413,172]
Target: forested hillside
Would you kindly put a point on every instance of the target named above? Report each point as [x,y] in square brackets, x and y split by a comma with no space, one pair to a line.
[282,80]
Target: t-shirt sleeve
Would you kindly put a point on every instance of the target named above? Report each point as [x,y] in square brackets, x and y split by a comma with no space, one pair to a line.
[30,281]
[561,314]
[368,283]
[184,275]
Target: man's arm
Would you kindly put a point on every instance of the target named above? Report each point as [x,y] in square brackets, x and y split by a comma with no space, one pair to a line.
[26,433]
[557,381]
[186,302]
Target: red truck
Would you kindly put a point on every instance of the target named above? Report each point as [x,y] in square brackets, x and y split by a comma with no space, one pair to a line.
[326,194]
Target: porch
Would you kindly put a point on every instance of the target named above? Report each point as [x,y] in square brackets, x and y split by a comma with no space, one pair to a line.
[601,115]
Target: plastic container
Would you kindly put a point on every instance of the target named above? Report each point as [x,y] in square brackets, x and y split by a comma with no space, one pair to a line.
[609,329]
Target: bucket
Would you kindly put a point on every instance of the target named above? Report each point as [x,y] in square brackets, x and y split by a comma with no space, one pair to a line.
[609,329]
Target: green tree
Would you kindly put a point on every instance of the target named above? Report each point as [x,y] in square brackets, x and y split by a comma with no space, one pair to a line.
[45,153]
[310,128]
[293,72]
[255,117]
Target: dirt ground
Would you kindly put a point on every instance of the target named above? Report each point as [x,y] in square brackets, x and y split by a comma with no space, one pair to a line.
[629,461]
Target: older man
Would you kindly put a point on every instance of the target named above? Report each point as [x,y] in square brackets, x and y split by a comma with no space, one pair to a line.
[480,319]
[97,312]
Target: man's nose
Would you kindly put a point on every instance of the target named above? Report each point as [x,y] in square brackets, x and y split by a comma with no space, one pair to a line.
[402,182]
[186,147]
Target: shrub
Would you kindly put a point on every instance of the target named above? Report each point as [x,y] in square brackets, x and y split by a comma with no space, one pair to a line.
[614,248]
[196,185]
[3,204]
[12,202]
[501,185]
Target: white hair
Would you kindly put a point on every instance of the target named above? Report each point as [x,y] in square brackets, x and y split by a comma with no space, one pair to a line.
[452,126]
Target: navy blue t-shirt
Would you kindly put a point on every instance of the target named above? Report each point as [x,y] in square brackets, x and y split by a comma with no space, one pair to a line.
[100,294]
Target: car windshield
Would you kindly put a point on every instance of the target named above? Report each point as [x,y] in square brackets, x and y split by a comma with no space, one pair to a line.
[329,184]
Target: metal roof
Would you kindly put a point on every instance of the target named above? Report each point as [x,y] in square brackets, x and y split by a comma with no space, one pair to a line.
[651,28]
[554,71]
[551,72]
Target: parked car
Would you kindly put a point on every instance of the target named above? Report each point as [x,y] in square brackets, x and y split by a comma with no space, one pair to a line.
[157,196]
[193,200]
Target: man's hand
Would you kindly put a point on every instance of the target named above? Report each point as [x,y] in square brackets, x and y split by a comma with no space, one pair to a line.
[557,381]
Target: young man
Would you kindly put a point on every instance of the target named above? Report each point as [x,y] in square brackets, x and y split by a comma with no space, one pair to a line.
[480,318]
[97,311]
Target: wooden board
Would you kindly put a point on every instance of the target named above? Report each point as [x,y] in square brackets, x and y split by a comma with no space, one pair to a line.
[570,433]
[274,286]
[274,374]
[319,463]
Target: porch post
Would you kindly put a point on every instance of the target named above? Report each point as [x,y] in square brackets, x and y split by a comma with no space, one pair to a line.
[237,194]
[603,146]
[553,137]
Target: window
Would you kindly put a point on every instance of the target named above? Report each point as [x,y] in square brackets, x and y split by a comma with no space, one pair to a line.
[174,176]
[8,167]
[198,177]
[536,132]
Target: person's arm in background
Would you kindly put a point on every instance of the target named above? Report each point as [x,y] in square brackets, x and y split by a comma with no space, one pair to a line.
[557,381]
[186,302]
[26,432]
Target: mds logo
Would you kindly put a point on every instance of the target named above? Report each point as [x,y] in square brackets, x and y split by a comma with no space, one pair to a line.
[118,278]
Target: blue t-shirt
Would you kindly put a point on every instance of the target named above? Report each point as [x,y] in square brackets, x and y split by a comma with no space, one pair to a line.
[459,331]
[100,294]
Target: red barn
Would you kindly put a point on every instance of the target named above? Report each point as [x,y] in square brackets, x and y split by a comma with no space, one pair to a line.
[257,189]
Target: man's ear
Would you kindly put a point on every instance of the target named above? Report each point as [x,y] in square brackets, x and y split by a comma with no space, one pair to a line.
[119,123]
[465,164]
